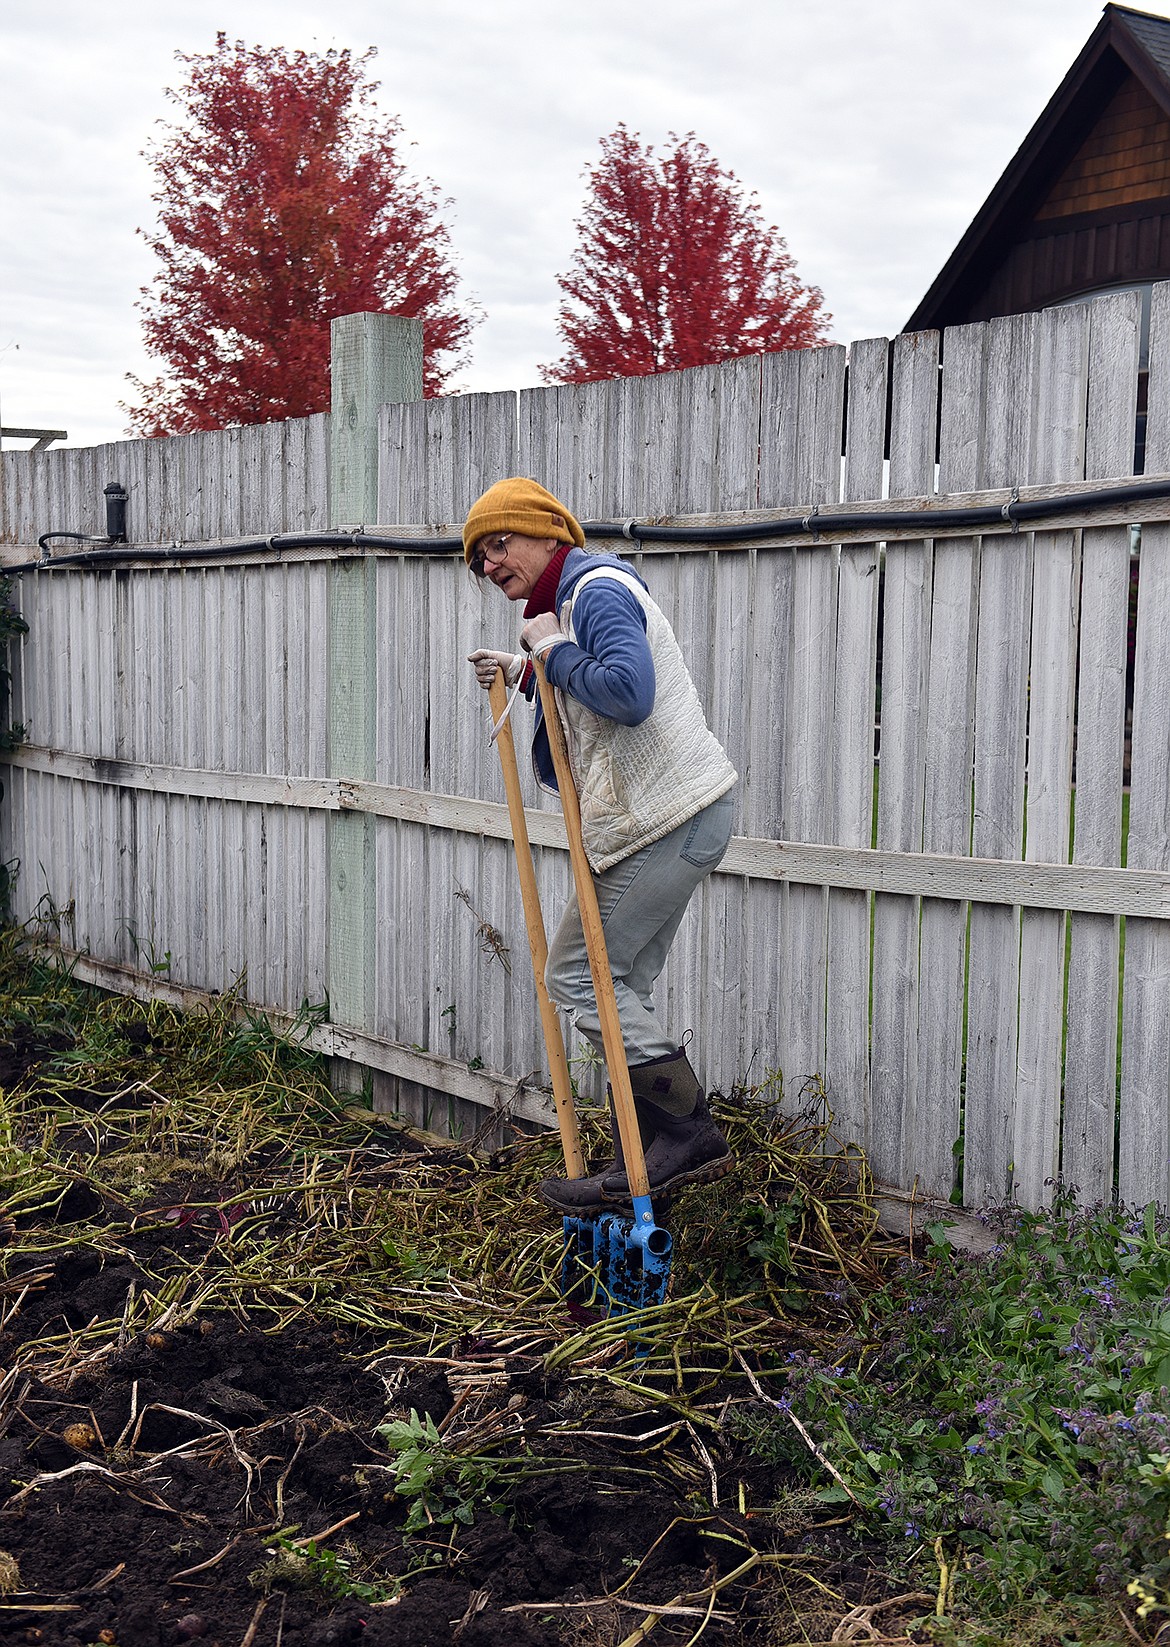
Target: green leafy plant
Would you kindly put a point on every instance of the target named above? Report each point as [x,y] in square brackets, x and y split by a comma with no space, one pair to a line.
[409,1263]
[443,1485]
[1016,1403]
[257,1036]
[1151,1588]
[103,1044]
[759,1235]
[146,951]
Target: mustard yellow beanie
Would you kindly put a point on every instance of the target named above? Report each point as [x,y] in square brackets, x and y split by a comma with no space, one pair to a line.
[519,505]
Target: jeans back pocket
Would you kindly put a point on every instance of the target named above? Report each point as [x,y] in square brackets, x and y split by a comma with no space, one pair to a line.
[710,831]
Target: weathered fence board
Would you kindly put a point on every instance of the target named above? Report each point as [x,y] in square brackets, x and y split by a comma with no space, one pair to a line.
[852,747]
[1058,453]
[999,752]
[1090,1090]
[895,1122]
[1145,1037]
[948,749]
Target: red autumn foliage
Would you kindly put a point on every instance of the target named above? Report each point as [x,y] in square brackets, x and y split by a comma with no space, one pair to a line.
[675,267]
[283,204]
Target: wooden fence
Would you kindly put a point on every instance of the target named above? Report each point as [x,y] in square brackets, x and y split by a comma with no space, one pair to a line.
[279,767]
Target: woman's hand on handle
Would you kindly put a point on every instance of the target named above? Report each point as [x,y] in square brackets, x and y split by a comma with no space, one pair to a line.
[540,634]
[485,663]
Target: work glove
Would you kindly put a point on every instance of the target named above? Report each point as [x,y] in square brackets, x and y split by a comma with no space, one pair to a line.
[540,634]
[485,663]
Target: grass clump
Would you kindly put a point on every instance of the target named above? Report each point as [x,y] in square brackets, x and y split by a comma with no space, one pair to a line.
[1008,1415]
[9,1574]
[305,1564]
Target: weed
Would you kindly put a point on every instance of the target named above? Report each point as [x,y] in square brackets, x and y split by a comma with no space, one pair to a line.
[444,1486]
[257,1037]
[405,1261]
[9,871]
[491,940]
[104,1043]
[301,1564]
[1016,1403]
[146,951]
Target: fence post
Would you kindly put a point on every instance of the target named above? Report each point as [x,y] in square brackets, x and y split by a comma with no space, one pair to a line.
[375,359]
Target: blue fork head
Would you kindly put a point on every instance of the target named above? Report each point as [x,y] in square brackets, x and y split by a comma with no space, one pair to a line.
[615,1263]
[581,1266]
[638,1258]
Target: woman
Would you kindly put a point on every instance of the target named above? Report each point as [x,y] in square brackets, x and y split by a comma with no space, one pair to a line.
[655,799]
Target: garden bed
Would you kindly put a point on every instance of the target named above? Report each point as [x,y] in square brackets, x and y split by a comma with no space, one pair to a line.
[277,1371]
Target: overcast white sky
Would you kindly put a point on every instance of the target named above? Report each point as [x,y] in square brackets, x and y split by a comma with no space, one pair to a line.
[870,131]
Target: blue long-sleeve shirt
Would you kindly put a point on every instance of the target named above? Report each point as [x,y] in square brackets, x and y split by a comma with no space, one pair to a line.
[609,668]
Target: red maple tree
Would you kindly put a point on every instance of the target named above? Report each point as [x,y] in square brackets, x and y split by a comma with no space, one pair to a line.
[675,267]
[283,204]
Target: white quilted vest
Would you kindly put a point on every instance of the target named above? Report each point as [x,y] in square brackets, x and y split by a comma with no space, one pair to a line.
[637,783]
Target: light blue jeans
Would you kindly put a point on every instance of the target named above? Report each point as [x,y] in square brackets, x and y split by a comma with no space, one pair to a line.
[642,901]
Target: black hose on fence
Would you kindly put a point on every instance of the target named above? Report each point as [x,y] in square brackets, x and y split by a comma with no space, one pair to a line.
[816,523]
[117,554]
[828,523]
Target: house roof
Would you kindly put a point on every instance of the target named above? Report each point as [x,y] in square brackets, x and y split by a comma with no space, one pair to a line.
[1124,43]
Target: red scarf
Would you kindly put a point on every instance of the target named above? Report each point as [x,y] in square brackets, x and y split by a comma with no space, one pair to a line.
[544,592]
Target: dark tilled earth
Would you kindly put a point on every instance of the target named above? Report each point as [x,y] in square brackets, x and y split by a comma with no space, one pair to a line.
[142,1483]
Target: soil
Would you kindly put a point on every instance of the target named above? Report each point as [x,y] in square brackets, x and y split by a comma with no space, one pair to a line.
[143,1477]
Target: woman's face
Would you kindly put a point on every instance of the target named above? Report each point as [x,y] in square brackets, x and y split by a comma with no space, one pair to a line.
[514,563]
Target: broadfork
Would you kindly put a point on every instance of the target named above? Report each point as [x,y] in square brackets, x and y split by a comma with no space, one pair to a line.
[611,1260]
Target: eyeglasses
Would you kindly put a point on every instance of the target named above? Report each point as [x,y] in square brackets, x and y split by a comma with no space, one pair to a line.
[493,549]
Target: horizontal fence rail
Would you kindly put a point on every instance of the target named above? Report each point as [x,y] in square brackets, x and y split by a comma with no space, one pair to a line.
[954,806]
[915,874]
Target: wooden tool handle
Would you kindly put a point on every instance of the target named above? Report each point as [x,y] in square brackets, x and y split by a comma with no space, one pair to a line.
[611,1029]
[550,1023]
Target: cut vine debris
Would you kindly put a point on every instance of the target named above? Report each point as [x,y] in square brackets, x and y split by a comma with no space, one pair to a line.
[238,1317]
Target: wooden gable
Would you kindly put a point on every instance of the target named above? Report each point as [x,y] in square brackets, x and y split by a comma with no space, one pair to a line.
[1085,203]
[1124,159]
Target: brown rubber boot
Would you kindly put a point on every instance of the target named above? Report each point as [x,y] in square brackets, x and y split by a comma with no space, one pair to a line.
[574,1197]
[580,1197]
[686,1146]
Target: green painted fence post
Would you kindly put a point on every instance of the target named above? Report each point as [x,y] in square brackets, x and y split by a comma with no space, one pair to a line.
[375,359]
